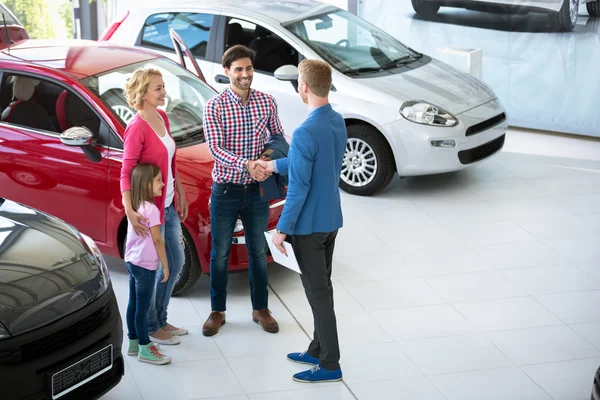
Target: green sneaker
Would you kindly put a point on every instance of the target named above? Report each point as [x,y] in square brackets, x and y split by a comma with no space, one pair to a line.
[134,347]
[151,355]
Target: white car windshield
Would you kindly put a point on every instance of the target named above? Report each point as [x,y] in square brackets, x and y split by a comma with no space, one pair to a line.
[350,44]
[184,103]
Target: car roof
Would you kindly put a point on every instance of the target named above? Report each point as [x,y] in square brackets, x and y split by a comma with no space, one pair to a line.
[79,58]
[279,10]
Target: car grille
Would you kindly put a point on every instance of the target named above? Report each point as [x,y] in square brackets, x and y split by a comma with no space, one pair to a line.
[482,126]
[58,340]
[480,152]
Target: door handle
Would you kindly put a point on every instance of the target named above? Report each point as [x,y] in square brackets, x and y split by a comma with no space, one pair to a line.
[221,79]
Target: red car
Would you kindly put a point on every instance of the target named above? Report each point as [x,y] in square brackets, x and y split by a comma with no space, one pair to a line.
[61,140]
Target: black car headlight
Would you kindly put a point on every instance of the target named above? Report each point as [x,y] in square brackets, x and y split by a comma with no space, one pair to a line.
[424,113]
[93,249]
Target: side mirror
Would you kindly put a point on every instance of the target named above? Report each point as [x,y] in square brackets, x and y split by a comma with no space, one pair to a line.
[77,136]
[287,73]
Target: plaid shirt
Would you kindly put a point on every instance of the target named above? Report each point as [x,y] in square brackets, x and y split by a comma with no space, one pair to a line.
[237,133]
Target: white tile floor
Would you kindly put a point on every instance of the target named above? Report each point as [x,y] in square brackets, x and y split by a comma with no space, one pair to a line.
[478,284]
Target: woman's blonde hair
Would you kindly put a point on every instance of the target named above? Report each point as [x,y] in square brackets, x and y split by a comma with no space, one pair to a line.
[142,179]
[137,86]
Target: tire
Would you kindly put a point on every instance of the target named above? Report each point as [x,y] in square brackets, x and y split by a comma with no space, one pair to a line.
[565,19]
[593,8]
[369,164]
[191,267]
[425,8]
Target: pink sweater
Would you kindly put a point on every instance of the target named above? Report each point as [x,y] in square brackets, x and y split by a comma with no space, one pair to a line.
[143,146]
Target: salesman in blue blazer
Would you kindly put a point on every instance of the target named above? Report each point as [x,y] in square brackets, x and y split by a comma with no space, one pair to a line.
[312,214]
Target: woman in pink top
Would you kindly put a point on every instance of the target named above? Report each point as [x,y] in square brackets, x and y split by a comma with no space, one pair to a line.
[142,253]
[148,140]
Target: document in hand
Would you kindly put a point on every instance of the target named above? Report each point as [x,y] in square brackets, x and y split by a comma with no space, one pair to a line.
[288,261]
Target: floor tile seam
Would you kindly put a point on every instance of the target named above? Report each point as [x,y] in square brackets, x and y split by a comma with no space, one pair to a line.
[305,333]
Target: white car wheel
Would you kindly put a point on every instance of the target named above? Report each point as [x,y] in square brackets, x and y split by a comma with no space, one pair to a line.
[124,112]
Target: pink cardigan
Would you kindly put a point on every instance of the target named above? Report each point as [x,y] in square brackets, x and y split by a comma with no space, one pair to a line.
[143,146]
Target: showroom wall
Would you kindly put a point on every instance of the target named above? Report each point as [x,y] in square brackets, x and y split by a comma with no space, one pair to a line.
[546,80]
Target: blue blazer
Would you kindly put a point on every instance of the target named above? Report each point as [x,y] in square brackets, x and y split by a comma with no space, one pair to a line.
[313,166]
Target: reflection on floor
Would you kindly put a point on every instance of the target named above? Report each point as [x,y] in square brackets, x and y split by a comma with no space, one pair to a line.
[478,284]
[546,80]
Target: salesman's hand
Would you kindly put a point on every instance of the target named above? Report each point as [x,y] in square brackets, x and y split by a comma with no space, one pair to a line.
[267,165]
[258,171]
[277,240]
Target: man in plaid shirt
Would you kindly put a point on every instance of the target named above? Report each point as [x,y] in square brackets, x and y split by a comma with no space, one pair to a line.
[237,125]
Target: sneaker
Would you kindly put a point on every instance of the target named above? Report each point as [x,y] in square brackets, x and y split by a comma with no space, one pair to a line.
[318,374]
[303,358]
[134,347]
[150,354]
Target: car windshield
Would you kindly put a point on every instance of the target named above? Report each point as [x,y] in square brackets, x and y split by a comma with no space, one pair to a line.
[184,103]
[350,44]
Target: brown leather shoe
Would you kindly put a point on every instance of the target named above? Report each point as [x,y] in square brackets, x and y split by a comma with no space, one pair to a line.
[214,322]
[265,320]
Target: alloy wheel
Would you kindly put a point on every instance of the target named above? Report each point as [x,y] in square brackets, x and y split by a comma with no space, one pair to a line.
[360,163]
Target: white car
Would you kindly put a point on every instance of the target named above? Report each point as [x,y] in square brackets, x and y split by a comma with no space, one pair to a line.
[562,13]
[405,112]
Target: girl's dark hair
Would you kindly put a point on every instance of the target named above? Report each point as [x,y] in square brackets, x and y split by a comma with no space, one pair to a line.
[235,53]
[141,184]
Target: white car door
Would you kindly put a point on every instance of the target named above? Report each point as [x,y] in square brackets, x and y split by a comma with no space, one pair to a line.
[271,53]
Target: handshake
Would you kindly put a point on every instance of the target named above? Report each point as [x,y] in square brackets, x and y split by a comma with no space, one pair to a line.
[260,169]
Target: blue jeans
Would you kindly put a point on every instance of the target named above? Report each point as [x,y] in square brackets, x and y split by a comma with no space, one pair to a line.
[141,287]
[227,202]
[171,233]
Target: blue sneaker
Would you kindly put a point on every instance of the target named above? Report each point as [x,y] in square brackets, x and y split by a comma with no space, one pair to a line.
[318,374]
[303,358]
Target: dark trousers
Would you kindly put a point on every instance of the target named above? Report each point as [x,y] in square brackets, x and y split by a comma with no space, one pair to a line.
[141,288]
[314,253]
[227,203]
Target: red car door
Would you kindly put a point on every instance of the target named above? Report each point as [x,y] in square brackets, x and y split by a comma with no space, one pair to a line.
[38,170]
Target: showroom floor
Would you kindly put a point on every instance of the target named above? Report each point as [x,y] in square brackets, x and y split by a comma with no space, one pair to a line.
[478,284]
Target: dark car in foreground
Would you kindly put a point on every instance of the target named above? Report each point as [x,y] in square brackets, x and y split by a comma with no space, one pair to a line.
[60,328]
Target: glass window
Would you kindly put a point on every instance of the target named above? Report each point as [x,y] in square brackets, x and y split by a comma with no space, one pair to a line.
[350,44]
[184,103]
[193,28]
[43,105]
[271,51]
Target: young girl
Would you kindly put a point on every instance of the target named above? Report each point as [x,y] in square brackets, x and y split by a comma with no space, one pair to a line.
[142,254]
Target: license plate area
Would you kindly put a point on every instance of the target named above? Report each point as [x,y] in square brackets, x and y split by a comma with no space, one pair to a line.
[81,372]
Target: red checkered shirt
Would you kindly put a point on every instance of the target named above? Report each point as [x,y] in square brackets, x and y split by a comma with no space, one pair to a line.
[236,133]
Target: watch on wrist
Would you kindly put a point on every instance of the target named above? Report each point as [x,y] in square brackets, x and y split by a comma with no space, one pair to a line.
[247,166]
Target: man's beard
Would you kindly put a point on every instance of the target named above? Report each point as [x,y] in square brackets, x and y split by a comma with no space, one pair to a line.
[238,84]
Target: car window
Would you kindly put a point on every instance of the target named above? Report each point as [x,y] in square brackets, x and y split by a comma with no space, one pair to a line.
[349,43]
[194,29]
[184,103]
[8,16]
[46,106]
[271,51]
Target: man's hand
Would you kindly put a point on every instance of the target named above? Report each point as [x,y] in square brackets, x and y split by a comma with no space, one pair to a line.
[267,165]
[136,220]
[183,207]
[258,171]
[277,240]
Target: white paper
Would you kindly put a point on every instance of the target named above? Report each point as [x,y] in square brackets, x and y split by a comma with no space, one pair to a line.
[288,261]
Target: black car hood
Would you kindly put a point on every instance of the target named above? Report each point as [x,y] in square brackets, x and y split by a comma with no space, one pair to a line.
[46,269]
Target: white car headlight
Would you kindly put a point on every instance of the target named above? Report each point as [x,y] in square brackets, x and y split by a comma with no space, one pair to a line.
[424,113]
[95,251]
